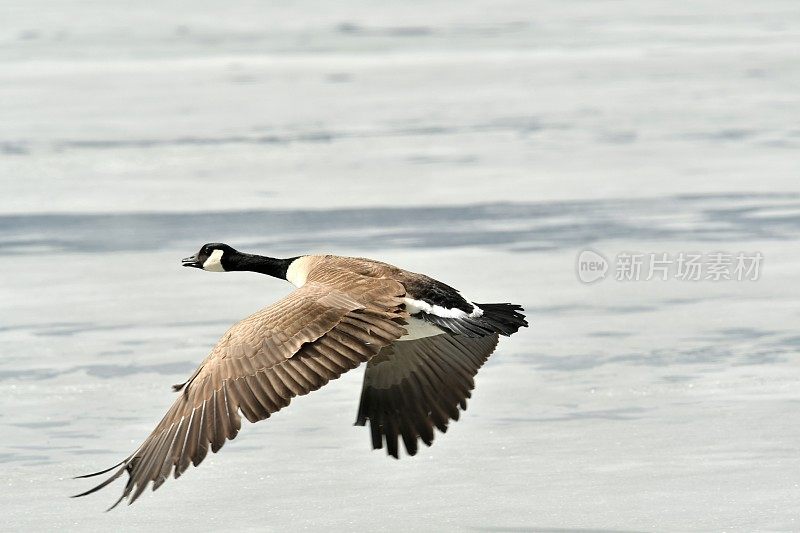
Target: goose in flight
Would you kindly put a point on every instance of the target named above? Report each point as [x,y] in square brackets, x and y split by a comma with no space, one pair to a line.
[422,341]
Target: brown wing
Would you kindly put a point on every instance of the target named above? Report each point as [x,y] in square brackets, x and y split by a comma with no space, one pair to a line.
[290,348]
[410,387]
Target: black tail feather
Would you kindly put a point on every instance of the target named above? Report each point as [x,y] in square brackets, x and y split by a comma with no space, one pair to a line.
[506,318]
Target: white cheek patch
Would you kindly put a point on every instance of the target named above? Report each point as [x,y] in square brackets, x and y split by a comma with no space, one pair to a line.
[415,306]
[214,262]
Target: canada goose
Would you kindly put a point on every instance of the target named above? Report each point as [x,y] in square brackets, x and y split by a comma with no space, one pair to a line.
[422,341]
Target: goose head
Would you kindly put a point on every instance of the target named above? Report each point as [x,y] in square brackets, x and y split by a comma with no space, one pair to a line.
[213,257]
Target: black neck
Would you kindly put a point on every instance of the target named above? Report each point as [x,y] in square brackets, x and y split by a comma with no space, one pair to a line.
[270,266]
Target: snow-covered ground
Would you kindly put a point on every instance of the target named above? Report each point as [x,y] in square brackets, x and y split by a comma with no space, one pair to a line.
[484,143]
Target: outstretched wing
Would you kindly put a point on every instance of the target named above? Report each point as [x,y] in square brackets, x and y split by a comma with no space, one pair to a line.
[412,386]
[290,348]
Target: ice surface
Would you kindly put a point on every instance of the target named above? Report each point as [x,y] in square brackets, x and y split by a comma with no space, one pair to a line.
[484,143]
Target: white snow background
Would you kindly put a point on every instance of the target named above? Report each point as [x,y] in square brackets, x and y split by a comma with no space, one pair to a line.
[483,143]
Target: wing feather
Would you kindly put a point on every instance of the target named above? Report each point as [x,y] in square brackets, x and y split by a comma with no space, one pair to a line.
[412,386]
[288,349]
